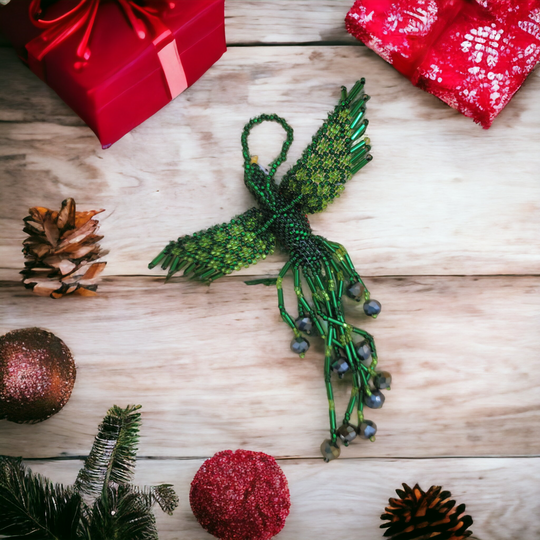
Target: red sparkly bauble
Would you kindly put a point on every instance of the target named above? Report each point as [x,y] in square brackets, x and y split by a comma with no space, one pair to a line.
[37,374]
[240,495]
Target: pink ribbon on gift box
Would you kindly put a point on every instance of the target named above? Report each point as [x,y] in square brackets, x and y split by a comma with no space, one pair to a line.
[144,19]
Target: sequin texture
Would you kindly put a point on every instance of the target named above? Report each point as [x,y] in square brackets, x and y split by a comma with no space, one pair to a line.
[37,374]
[240,495]
[474,56]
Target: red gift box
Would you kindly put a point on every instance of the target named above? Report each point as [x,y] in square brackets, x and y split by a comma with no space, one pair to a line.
[399,32]
[472,54]
[133,65]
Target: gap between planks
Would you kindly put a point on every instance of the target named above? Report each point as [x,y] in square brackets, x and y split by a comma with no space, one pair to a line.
[296,458]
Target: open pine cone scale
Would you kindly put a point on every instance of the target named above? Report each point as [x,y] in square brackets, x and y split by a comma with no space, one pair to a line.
[418,515]
[60,250]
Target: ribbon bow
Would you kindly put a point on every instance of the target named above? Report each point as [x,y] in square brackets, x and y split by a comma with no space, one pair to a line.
[141,17]
[144,16]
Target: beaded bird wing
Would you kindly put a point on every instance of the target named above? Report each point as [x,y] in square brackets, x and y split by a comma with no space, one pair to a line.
[212,253]
[336,153]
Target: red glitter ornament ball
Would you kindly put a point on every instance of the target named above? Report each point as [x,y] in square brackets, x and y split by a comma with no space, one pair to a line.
[240,495]
[37,374]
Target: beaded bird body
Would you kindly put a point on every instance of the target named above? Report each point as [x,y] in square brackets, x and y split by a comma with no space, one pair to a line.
[322,270]
[283,218]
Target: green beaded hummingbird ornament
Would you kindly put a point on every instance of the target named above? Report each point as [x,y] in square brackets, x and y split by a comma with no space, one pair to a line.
[322,270]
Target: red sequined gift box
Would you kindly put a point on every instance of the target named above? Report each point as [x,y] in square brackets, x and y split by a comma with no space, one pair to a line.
[116,62]
[472,54]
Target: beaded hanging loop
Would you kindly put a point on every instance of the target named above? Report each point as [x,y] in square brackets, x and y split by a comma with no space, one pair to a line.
[248,160]
[322,271]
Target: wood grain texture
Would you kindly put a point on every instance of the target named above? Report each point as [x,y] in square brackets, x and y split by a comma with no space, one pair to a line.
[211,366]
[344,499]
[213,370]
[282,21]
[442,196]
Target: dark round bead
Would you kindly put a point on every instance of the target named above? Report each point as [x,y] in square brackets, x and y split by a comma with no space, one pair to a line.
[363,350]
[340,366]
[347,433]
[367,429]
[382,380]
[372,308]
[329,450]
[375,401]
[299,345]
[304,324]
[356,291]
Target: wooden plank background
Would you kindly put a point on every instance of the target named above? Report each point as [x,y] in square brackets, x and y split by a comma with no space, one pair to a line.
[444,223]
[325,500]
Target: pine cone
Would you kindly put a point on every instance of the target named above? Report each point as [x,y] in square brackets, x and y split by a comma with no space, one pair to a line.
[60,249]
[417,515]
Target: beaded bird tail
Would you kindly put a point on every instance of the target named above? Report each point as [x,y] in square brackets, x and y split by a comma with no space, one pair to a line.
[325,271]
[348,349]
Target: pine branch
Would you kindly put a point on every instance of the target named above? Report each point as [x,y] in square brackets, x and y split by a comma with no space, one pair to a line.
[121,514]
[163,495]
[31,507]
[113,455]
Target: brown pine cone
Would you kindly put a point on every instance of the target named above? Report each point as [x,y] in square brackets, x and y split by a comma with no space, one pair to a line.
[60,250]
[417,515]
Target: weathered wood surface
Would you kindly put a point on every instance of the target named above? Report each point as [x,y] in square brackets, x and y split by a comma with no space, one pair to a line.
[213,369]
[282,21]
[211,366]
[442,196]
[344,499]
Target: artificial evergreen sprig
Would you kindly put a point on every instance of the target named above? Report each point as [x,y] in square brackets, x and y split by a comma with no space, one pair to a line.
[101,505]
